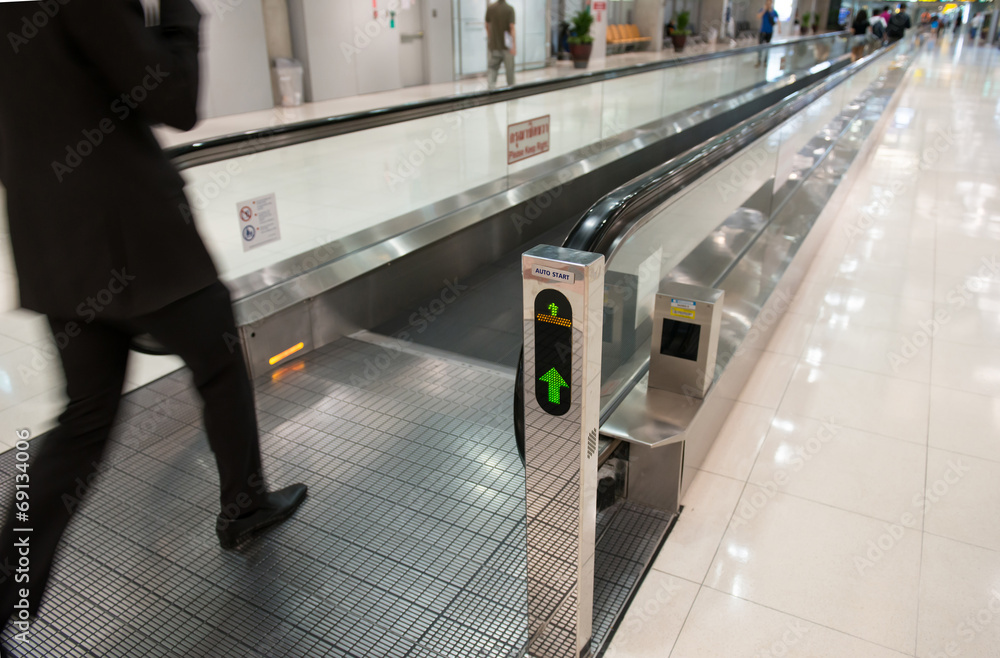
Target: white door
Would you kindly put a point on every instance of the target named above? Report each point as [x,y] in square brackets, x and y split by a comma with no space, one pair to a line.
[410,24]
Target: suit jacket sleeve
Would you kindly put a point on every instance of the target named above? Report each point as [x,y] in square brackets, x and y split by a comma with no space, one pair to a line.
[162,61]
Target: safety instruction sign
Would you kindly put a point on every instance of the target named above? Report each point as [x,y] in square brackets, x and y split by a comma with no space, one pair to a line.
[527,139]
[683,308]
[258,220]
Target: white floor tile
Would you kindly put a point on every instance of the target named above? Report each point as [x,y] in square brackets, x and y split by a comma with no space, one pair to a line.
[654,619]
[965,423]
[736,447]
[962,498]
[968,320]
[766,386]
[708,507]
[974,369]
[791,334]
[823,565]
[724,626]
[866,401]
[842,304]
[842,467]
[878,351]
[959,600]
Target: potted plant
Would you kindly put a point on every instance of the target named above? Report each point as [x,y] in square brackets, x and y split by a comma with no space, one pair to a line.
[681,33]
[806,18]
[816,23]
[581,43]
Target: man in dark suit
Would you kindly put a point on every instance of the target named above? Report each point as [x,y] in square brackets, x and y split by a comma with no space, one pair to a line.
[104,247]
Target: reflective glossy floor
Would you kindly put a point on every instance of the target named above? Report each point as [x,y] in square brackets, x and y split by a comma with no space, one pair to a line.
[851,505]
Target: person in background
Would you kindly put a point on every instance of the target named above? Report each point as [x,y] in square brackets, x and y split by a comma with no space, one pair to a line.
[501,40]
[859,28]
[977,22]
[878,25]
[768,24]
[105,248]
[898,24]
[958,22]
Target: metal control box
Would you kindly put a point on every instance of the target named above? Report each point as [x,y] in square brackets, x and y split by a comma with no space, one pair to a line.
[686,322]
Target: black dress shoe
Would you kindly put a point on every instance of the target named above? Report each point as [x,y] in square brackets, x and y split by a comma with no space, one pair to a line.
[279,506]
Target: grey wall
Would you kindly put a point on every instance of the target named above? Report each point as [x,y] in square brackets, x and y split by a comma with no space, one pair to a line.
[438,39]
[649,20]
[713,13]
[279,36]
[344,48]
[235,67]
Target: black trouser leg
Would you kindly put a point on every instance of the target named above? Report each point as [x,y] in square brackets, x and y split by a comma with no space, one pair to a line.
[68,457]
[201,330]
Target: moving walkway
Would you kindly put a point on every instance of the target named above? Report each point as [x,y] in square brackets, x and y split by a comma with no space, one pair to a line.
[395,405]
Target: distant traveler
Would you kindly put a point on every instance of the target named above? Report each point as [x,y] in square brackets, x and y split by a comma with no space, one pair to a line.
[977,22]
[958,22]
[898,24]
[104,247]
[860,25]
[878,24]
[501,39]
[768,23]
[860,29]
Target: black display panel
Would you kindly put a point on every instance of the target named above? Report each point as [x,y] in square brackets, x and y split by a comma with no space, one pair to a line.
[680,339]
[553,351]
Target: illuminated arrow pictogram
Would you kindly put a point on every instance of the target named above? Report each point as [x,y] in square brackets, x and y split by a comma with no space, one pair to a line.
[553,309]
[556,384]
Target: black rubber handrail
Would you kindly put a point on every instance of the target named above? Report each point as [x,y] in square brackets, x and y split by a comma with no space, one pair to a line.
[223,147]
[605,224]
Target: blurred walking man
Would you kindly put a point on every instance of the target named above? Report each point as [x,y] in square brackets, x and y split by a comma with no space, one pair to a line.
[105,249]
[501,39]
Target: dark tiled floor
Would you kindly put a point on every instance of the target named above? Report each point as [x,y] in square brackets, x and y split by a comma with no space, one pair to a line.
[411,543]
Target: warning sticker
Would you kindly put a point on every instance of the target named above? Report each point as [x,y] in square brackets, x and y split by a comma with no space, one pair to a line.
[258,221]
[682,308]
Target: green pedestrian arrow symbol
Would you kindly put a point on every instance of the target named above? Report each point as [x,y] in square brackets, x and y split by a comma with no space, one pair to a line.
[555,382]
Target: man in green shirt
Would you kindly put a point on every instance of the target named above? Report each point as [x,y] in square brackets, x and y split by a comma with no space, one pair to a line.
[501,41]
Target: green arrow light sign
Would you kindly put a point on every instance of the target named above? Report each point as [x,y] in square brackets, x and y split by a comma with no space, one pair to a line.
[555,382]
[553,351]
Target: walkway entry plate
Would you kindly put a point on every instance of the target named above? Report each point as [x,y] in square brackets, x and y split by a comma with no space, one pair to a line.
[563,305]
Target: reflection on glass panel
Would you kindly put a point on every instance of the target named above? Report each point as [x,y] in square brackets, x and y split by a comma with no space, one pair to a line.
[473,57]
[631,101]
[330,188]
[574,118]
[648,256]
[529,22]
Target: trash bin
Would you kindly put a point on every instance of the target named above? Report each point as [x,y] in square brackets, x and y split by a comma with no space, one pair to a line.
[289,73]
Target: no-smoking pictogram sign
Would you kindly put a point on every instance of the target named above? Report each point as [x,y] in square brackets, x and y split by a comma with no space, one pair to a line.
[258,220]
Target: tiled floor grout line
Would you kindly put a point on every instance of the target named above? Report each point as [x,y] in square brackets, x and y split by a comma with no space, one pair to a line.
[808,621]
